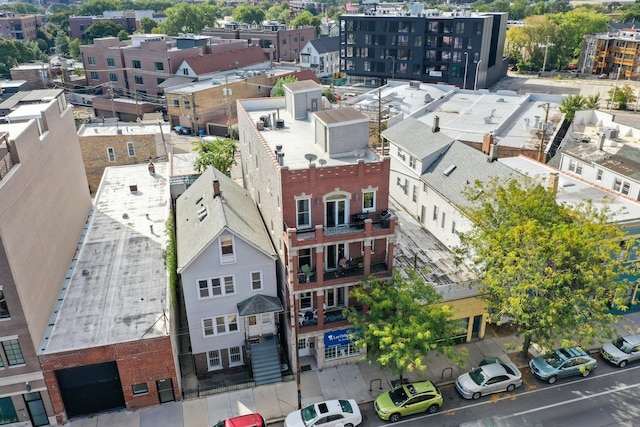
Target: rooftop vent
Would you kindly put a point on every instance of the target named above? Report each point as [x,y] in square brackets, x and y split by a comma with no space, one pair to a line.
[450,169]
[133,188]
[280,123]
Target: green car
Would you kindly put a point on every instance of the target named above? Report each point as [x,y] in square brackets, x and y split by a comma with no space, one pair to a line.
[408,399]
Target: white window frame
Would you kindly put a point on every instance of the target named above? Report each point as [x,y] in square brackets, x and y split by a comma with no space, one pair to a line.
[238,356]
[228,258]
[131,149]
[373,192]
[214,356]
[216,287]
[255,280]
[443,219]
[599,173]
[435,213]
[299,212]
[210,325]
[111,154]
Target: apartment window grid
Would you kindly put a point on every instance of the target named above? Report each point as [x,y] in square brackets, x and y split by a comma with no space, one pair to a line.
[216,287]
[159,66]
[138,80]
[113,77]
[131,149]
[369,201]
[176,103]
[111,154]
[235,356]
[256,281]
[221,325]
[111,62]
[412,162]
[136,64]
[91,60]
[214,360]
[94,75]
[304,212]
[13,352]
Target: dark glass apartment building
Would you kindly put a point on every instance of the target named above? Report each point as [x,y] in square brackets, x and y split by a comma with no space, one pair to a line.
[458,48]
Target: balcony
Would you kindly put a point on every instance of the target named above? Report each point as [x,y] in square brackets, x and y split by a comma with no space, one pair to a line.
[354,268]
[309,319]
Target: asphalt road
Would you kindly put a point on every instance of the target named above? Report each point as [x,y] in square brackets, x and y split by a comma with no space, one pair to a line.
[609,397]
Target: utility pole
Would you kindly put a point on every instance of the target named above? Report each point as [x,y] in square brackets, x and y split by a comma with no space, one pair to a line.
[195,114]
[546,106]
[227,93]
[546,50]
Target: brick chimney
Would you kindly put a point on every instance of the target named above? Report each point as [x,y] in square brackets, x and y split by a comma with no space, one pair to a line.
[554,177]
[216,188]
[487,141]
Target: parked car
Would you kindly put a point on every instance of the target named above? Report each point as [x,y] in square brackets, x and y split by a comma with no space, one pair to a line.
[250,420]
[562,362]
[487,379]
[181,130]
[603,76]
[330,413]
[348,95]
[622,351]
[408,399]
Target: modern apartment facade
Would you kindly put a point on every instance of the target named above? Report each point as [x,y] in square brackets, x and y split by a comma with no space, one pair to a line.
[324,196]
[44,203]
[616,53]
[457,48]
[18,26]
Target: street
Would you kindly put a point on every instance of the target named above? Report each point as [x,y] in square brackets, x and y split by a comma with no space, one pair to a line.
[608,397]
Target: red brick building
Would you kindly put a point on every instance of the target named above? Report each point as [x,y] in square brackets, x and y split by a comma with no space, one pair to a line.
[323,194]
[109,344]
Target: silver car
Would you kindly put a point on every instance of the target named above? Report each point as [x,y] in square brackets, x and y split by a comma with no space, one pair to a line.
[487,379]
[622,351]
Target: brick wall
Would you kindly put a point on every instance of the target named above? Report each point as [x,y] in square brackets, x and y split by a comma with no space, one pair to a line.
[145,361]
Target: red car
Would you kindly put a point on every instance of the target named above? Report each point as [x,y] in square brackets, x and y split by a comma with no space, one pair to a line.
[251,420]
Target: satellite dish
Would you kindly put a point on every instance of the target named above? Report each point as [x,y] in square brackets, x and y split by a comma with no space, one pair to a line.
[310,157]
[359,153]
[322,162]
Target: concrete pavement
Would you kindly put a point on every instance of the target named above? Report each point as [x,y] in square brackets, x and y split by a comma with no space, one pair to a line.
[362,382]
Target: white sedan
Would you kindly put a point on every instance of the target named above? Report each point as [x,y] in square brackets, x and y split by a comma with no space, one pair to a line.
[487,379]
[331,413]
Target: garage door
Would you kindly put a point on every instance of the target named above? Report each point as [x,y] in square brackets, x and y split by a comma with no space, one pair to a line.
[90,389]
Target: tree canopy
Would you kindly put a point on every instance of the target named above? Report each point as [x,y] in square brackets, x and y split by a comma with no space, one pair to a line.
[104,28]
[13,52]
[188,18]
[553,271]
[621,96]
[405,320]
[219,153]
[573,103]
[249,14]
[278,89]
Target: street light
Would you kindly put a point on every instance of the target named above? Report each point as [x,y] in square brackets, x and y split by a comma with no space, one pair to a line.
[475,82]
[466,67]
[393,66]
[615,88]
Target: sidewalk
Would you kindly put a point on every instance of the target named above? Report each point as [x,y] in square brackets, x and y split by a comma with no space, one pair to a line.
[362,382]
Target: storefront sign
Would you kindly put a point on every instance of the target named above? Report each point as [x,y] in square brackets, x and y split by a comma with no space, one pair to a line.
[339,337]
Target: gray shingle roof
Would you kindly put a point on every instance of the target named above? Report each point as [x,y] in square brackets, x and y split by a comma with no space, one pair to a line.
[470,165]
[416,137]
[259,304]
[200,217]
[326,44]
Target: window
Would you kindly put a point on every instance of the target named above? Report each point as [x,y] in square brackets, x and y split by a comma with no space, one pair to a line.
[625,188]
[13,352]
[138,80]
[405,187]
[599,173]
[7,411]
[91,60]
[453,227]
[252,321]
[176,103]
[159,66]
[187,105]
[304,258]
[435,213]
[340,351]
[305,301]
[303,207]
[140,389]
[444,216]
[412,162]
[4,310]
[111,154]
[94,75]
[256,280]
[226,250]
[221,325]
[136,63]
[336,210]
[216,287]
[235,356]
[111,62]
[131,149]
[335,297]
[113,77]
[414,196]
[401,154]
[622,186]
[159,81]
[213,360]
[368,201]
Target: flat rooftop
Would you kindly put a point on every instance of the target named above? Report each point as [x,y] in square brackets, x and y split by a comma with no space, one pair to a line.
[467,115]
[117,289]
[297,137]
[125,128]
[574,191]
[227,77]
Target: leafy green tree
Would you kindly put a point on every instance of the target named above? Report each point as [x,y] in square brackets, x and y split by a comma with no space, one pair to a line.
[62,44]
[405,320]
[24,8]
[553,271]
[592,102]
[97,7]
[306,19]
[571,104]
[12,52]
[61,19]
[278,90]
[147,25]
[59,7]
[188,18]
[123,35]
[279,13]
[74,48]
[248,14]
[621,96]
[219,153]
[103,28]
[328,93]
